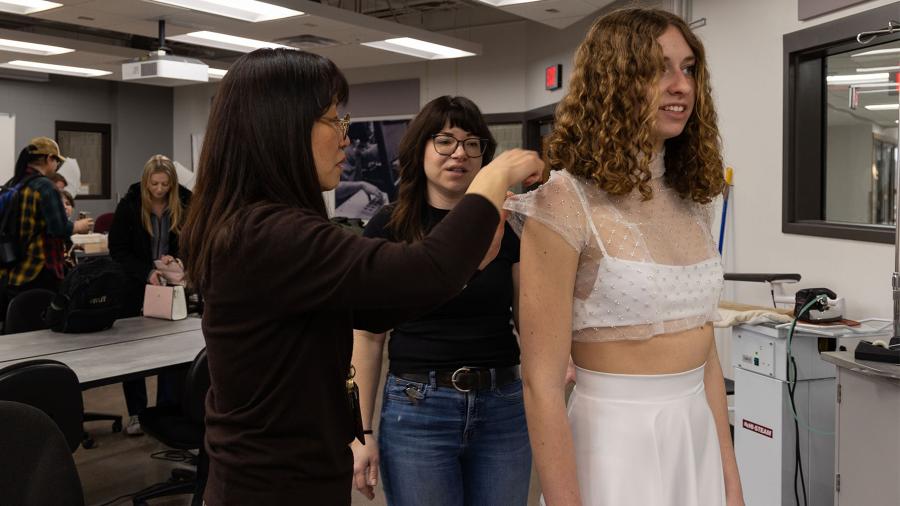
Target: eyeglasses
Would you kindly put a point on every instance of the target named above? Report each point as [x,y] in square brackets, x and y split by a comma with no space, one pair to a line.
[342,124]
[446,145]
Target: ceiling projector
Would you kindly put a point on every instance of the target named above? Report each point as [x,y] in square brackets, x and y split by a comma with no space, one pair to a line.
[164,69]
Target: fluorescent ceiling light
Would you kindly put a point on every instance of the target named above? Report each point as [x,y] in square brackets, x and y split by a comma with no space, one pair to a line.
[16,46]
[876,52]
[858,78]
[246,10]
[418,48]
[217,73]
[53,69]
[27,6]
[224,41]
[504,3]
[883,107]
[879,69]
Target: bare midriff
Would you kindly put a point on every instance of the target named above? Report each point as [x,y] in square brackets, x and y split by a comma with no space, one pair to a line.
[662,354]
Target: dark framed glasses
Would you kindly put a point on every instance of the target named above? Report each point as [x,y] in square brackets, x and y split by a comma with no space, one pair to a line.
[446,145]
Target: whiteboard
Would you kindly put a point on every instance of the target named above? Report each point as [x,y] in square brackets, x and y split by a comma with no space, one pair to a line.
[7,146]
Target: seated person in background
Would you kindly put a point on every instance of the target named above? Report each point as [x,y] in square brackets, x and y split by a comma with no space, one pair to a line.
[68,203]
[58,180]
[145,228]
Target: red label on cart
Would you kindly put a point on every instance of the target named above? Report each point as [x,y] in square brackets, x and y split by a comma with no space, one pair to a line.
[757,428]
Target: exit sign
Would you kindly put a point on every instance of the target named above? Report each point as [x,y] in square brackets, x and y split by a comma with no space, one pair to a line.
[553,77]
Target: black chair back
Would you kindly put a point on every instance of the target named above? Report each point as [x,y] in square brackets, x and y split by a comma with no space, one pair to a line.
[51,387]
[181,427]
[193,400]
[38,468]
[26,311]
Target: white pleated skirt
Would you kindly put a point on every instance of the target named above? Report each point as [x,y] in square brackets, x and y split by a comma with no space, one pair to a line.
[643,440]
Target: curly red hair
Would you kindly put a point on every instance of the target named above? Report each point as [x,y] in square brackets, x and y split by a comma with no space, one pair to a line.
[604,124]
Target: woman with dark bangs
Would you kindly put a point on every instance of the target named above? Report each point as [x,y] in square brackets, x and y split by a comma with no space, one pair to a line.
[452,426]
[284,287]
[619,268]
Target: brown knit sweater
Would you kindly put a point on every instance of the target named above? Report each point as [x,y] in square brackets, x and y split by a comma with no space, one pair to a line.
[278,320]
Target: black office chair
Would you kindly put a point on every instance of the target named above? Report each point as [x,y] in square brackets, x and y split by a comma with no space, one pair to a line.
[49,386]
[25,313]
[38,468]
[181,427]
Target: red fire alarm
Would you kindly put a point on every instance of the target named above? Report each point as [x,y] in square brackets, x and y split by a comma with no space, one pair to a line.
[553,77]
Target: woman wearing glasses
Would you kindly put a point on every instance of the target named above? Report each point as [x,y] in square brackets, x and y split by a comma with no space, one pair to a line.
[284,287]
[452,422]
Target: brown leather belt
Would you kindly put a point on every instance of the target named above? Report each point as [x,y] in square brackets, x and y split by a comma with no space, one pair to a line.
[466,379]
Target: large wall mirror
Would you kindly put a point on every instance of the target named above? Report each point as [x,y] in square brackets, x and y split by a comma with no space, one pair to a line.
[841,111]
[861,139]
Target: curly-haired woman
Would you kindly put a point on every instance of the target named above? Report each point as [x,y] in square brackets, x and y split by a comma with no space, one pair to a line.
[619,268]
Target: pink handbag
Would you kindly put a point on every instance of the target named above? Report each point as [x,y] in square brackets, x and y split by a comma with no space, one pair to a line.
[165,302]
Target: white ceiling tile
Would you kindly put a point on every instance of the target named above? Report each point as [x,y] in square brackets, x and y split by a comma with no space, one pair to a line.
[139,17]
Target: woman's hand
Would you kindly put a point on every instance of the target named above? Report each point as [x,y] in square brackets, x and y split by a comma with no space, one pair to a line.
[511,167]
[83,226]
[155,278]
[521,166]
[167,259]
[365,466]
[570,372]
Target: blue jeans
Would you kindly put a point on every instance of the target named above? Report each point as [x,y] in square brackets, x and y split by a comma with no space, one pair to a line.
[448,448]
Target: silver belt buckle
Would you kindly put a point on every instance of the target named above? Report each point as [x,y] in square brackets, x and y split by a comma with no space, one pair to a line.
[455,377]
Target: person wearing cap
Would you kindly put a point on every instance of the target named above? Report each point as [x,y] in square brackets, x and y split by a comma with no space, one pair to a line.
[43,225]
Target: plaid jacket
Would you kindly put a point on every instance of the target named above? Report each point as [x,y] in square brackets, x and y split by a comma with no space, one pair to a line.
[43,228]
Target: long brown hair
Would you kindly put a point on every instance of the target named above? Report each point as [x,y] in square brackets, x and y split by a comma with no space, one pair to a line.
[604,124]
[407,218]
[257,149]
[159,164]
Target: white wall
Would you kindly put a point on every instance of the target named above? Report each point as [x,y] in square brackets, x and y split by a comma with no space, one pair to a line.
[140,117]
[549,46]
[495,80]
[744,43]
[191,110]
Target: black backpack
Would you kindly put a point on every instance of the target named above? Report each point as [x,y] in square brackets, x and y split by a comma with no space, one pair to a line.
[10,247]
[90,299]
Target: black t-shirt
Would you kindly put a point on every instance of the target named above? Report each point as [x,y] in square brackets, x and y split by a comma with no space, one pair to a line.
[473,329]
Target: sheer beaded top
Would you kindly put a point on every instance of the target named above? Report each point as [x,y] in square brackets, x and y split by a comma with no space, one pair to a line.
[645,267]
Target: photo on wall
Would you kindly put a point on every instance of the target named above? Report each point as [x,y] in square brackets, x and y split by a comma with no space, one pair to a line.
[371,171]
